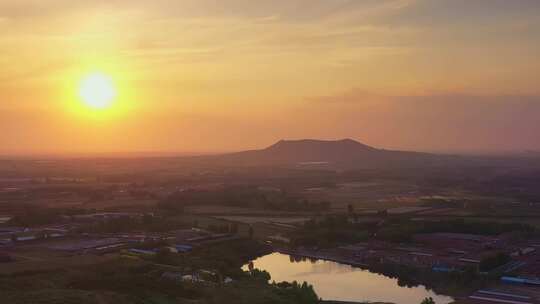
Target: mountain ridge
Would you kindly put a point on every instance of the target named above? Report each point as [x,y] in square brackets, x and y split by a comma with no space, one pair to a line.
[346,142]
[343,152]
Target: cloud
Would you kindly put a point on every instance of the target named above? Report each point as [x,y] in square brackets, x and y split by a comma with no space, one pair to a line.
[436,121]
[257,56]
[460,13]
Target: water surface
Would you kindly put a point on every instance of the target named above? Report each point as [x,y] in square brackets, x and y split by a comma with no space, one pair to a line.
[334,281]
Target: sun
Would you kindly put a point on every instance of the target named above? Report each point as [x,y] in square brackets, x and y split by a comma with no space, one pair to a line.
[97,91]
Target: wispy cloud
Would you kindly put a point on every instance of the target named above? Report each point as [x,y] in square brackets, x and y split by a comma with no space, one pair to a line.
[250,58]
[436,121]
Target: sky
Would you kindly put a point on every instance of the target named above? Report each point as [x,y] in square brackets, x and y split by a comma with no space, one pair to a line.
[194,76]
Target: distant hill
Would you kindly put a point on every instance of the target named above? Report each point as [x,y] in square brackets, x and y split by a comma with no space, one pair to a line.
[341,153]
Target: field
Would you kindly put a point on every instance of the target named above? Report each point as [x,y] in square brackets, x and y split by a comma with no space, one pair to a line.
[264,219]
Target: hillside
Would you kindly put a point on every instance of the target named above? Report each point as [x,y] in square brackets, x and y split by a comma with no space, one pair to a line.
[335,153]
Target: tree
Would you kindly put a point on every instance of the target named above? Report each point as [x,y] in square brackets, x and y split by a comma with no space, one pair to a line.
[147,219]
[233,228]
[350,209]
[493,261]
[164,256]
[428,301]
[250,231]
[171,205]
[4,258]
[261,275]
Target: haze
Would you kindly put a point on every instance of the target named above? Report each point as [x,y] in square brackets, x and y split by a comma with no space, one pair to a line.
[208,76]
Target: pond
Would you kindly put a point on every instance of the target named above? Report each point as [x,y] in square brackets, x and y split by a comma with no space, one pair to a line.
[334,281]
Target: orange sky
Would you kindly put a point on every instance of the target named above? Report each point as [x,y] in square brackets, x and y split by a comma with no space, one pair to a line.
[206,76]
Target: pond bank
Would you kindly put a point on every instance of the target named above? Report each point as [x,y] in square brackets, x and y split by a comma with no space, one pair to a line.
[335,281]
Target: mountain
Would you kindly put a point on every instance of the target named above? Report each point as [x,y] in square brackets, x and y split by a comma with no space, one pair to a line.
[345,153]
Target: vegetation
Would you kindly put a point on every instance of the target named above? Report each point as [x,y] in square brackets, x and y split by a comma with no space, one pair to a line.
[402,230]
[128,224]
[490,199]
[140,281]
[330,231]
[341,229]
[493,261]
[34,216]
[484,228]
[428,301]
[241,196]
[454,283]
